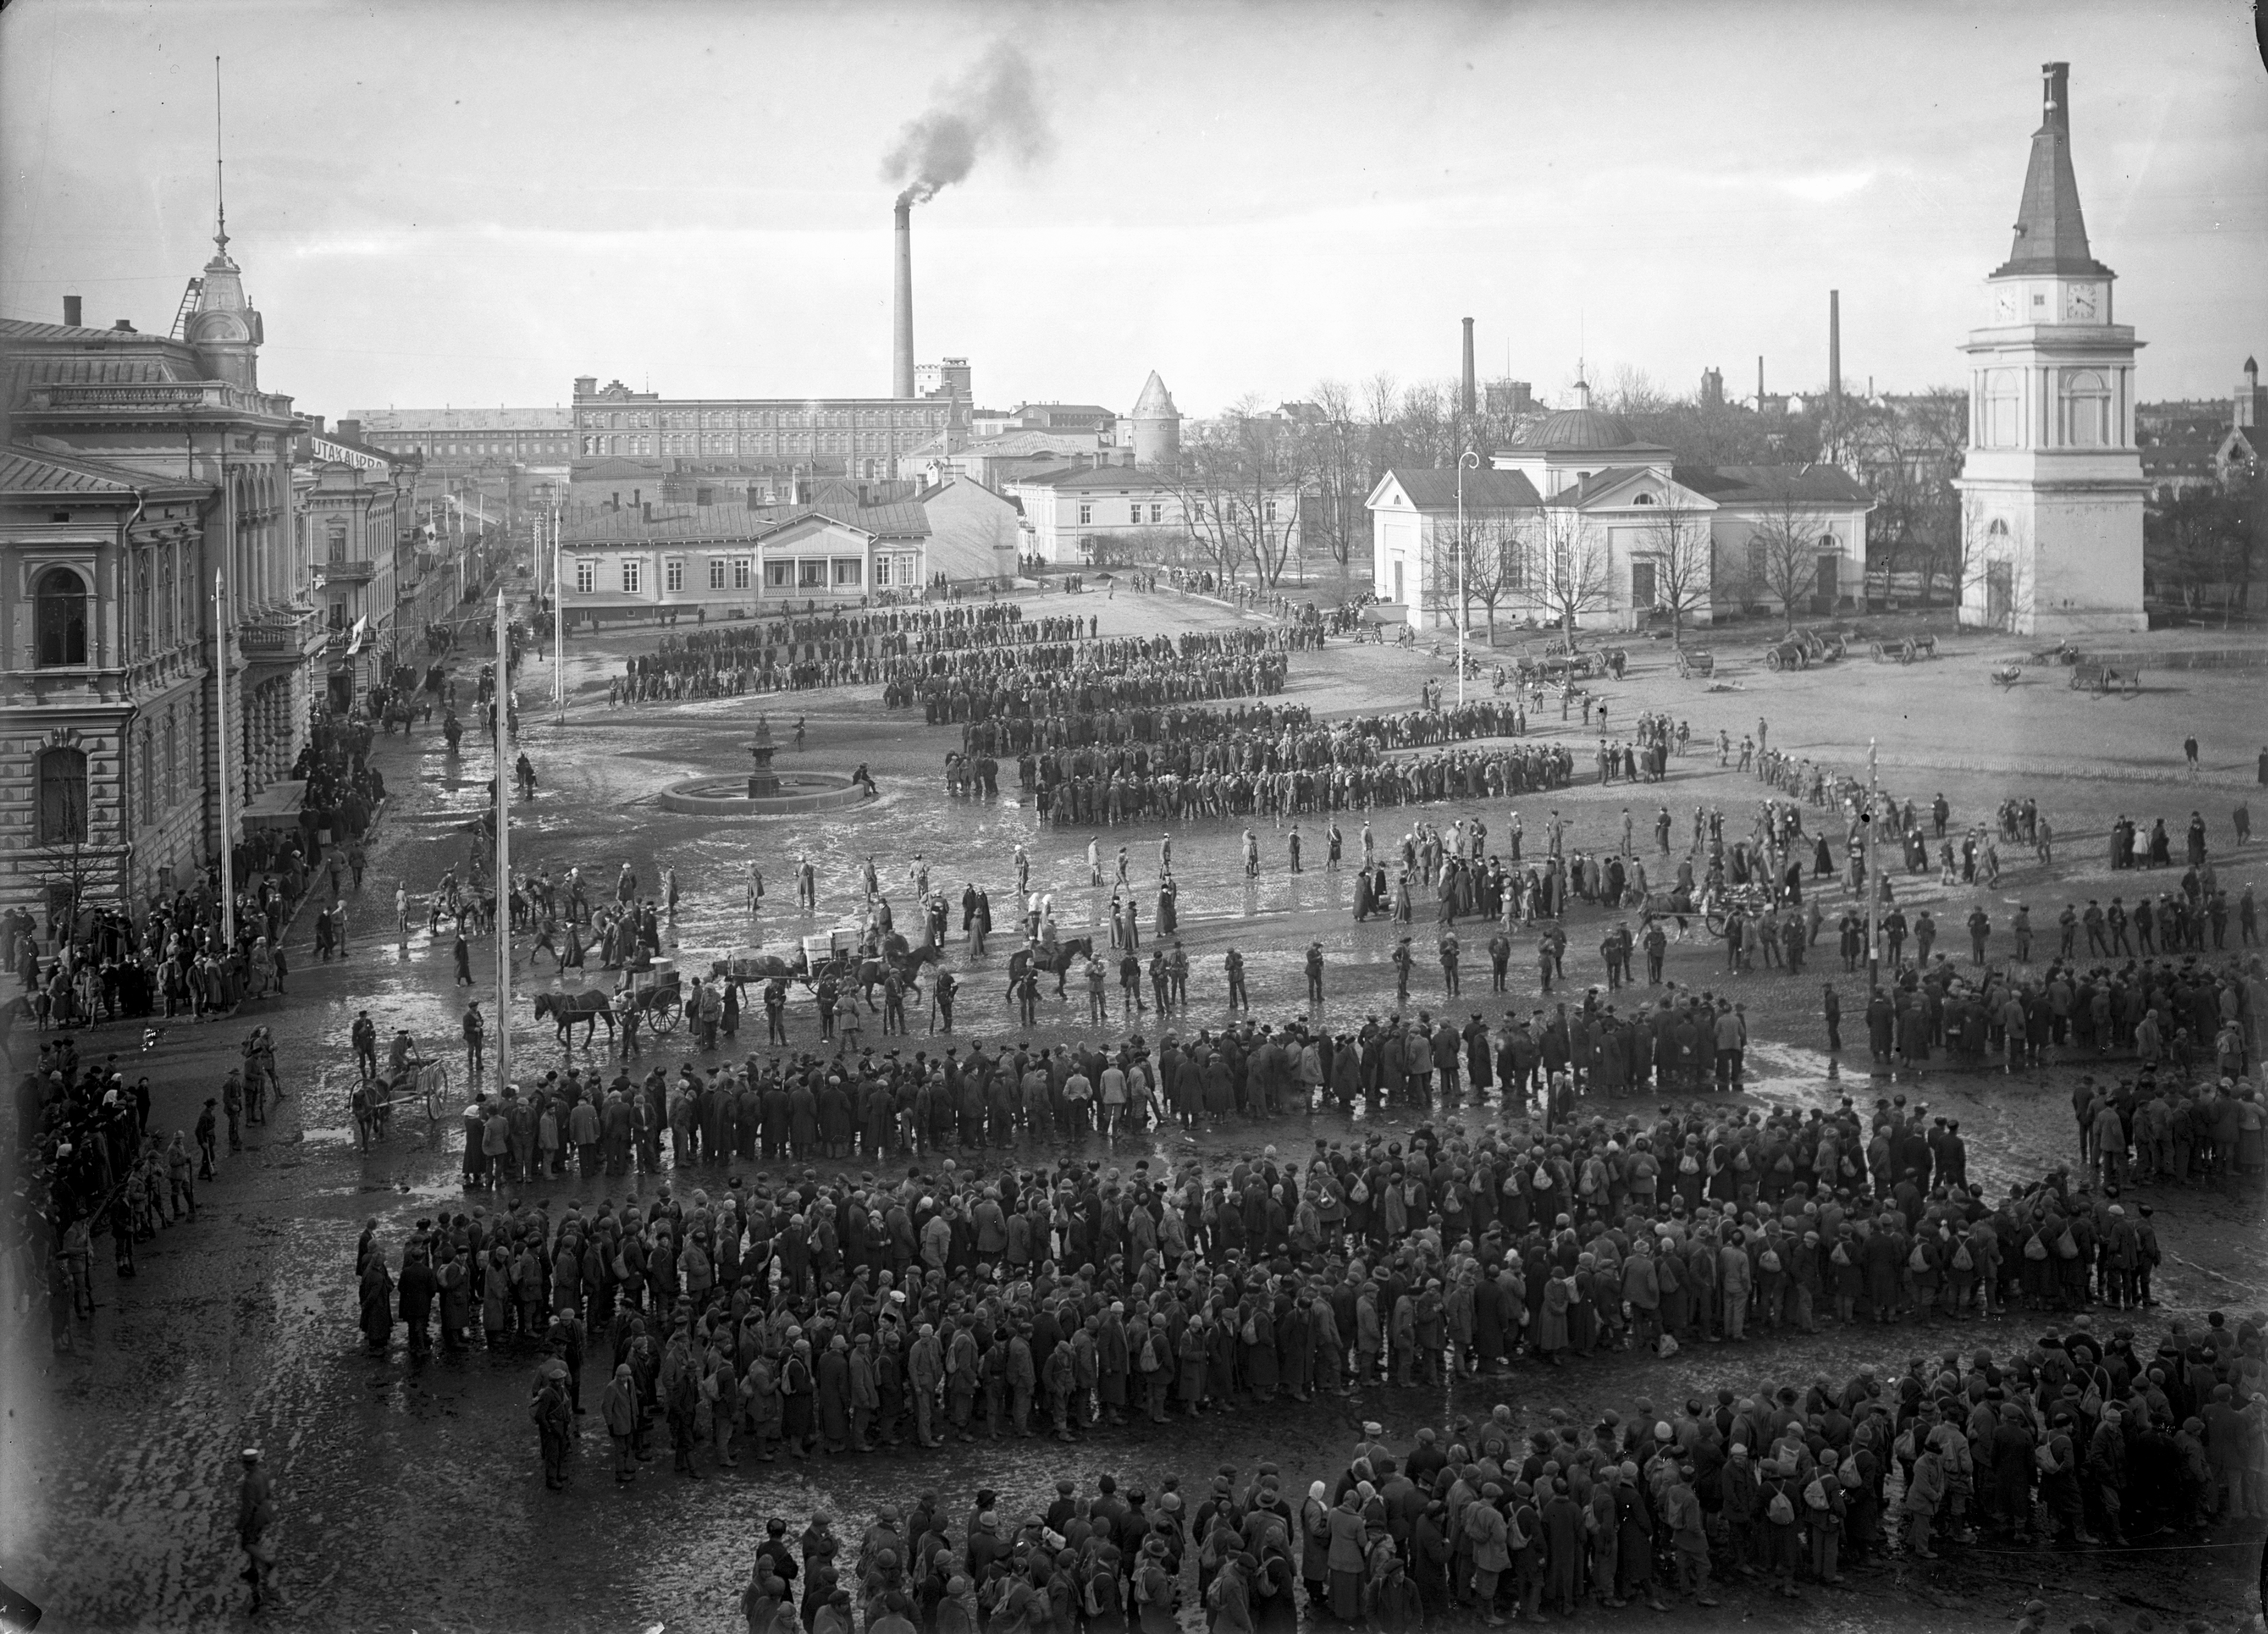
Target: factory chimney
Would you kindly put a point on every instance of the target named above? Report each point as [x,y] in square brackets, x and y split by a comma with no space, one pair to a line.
[902,308]
[1760,382]
[1471,402]
[1834,350]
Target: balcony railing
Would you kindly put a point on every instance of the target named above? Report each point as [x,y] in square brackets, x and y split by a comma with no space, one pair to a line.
[173,397]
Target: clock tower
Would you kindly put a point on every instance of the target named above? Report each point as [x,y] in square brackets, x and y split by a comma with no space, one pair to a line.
[2052,484]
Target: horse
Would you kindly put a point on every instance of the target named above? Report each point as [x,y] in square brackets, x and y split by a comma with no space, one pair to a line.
[565,1010]
[1058,964]
[868,973]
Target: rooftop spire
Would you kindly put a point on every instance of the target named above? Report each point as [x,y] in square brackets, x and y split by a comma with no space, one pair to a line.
[220,190]
[2050,232]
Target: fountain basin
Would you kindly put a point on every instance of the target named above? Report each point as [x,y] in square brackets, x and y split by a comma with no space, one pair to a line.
[722,795]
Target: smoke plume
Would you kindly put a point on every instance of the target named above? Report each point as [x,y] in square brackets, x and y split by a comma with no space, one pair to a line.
[993,107]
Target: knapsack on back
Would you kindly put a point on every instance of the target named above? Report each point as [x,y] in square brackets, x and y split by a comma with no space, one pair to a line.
[1781,1511]
[2066,1246]
[1961,1259]
[1359,1192]
[1918,1260]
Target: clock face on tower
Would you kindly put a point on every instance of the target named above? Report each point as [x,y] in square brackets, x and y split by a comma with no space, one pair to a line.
[2004,306]
[2082,303]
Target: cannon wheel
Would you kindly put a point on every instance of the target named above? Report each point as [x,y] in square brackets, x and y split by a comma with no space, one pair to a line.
[1773,662]
[1802,659]
[1880,653]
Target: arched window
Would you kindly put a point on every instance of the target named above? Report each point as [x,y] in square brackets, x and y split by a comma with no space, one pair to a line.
[1644,498]
[2086,410]
[62,796]
[60,598]
[2003,408]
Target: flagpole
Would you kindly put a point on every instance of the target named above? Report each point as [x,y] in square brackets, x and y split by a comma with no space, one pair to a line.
[502,848]
[220,706]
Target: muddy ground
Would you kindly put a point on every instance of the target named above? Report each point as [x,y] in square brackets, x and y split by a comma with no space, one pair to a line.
[411,1493]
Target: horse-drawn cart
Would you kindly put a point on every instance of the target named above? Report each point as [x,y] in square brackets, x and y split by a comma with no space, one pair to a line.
[2103,680]
[1903,650]
[657,995]
[412,1078]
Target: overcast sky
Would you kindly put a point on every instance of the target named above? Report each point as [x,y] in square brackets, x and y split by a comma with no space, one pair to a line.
[471,203]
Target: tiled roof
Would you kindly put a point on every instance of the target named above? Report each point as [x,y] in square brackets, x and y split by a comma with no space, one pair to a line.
[32,471]
[1430,489]
[683,523]
[1116,477]
[1753,484]
[1576,495]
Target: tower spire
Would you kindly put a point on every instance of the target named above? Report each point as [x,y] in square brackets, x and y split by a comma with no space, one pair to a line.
[220,189]
[2050,231]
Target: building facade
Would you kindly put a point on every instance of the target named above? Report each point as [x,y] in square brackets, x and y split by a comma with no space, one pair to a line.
[465,439]
[865,439]
[360,518]
[1580,522]
[2052,487]
[151,560]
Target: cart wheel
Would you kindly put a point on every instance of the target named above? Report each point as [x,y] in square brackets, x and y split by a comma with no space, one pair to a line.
[1717,923]
[669,1013]
[437,1090]
[1803,660]
[1772,660]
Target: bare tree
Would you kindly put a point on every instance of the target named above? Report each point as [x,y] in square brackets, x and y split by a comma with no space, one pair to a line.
[1564,566]
[1783,545]
[1337,455]
[1241,486]
[1684,557]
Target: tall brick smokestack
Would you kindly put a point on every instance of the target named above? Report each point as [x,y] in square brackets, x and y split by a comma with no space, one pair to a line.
[1834,349]
[1471,401]
[902,307]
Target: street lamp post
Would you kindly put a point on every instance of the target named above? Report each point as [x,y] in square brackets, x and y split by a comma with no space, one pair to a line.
[1873,892]
[1470,458]
[558,623]
[503,846]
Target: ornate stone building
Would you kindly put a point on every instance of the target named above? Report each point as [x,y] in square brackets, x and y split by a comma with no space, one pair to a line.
[150,556]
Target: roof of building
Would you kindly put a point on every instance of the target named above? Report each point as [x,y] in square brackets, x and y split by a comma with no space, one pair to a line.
[2050,231]
[1074,477]
[1023,445]
[1578,494]
[1431,489]
[1155,402]
[551,419]
[1753,484]
[1575,430]
[612,469]
[35,471]
[665,524]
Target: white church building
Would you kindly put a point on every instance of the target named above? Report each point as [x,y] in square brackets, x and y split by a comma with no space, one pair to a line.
[2051,485]
[1578,496]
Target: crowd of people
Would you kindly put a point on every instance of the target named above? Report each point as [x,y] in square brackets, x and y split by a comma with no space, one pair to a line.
[800,1310]
[1006,685]
[839,648]
[90,1166]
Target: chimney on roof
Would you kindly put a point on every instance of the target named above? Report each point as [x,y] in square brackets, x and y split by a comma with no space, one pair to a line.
[1470,400]
[1834,352]
[350,431]
[71,310]
[123,327]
